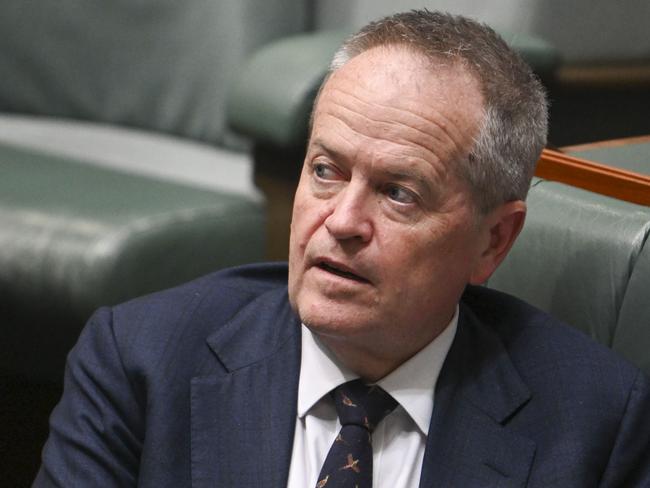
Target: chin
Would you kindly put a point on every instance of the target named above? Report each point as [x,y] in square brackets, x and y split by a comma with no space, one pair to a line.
[334,320]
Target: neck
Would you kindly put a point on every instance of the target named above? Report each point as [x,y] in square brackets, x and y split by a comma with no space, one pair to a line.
[372,354]
[370,365]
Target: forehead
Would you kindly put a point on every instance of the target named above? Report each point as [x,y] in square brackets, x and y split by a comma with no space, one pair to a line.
[402,101]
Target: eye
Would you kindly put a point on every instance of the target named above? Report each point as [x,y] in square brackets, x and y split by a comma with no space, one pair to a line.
[324,171]
[400,194]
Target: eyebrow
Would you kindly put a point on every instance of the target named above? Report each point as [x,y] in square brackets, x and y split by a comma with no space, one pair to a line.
[409,175]
[325,148]
[400,174]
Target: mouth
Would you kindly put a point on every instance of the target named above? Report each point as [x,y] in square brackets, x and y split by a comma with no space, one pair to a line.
[340,270]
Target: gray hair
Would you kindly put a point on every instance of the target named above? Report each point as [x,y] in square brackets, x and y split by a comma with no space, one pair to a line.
[512,134]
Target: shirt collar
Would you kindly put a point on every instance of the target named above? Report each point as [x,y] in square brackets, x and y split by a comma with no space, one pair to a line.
[412,384]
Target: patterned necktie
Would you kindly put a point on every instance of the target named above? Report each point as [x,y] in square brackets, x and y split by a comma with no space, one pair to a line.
[349,460]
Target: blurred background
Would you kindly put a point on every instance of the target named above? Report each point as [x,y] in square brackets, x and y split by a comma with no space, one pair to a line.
[144,143]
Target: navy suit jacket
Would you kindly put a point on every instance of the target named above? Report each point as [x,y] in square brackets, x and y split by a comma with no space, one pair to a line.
[197,386]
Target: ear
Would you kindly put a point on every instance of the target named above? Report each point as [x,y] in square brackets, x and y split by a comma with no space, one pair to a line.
[500,229]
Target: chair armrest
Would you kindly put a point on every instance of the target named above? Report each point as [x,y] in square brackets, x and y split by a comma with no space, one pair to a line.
[272,99]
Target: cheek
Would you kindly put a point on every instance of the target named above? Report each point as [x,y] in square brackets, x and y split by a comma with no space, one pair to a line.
[299,213]
[403,246]
[299,229]
[307,218]
[297,244]
[309,214]
[421,256]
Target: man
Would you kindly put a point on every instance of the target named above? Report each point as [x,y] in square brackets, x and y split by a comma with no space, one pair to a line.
[423,143]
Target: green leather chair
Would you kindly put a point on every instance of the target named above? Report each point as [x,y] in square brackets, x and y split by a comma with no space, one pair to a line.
[585,259]
[74,237]
[632,335]
[117,174]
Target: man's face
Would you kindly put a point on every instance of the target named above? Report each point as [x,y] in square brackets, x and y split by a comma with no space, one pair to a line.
[384,237]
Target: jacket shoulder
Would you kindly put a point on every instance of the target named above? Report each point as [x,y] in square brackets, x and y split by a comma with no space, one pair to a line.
[223,292]
[543,348]
[591,402]
[175,323]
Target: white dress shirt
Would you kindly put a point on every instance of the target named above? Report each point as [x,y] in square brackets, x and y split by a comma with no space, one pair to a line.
[398,441]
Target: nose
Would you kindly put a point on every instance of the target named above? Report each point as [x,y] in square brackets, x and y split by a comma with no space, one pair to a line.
[350,218]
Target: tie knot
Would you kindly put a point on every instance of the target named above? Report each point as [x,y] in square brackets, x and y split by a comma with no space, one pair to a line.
[360,404]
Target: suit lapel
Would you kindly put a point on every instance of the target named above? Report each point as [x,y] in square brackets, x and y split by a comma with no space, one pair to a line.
[479,391]
[243,420]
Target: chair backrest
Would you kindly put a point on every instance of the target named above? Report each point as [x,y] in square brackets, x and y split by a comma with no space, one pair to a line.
[163,65]
[582,30]
[632,335]
[585,258]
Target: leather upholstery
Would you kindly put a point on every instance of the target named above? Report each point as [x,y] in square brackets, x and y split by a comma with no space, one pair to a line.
[632,335]
[92,222]
[272,100]
[581,30]
[75,236]
[162,65]
[583,258]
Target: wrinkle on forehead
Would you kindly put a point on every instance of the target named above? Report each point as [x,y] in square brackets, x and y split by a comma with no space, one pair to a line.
[349,145]
[403,126]
[392,93]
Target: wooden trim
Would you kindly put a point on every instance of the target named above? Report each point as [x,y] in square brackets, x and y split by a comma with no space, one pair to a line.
[612,74]
[605,144]
[599,178]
